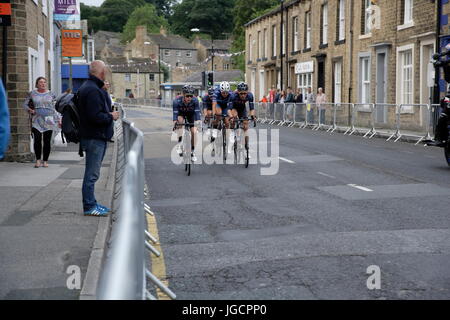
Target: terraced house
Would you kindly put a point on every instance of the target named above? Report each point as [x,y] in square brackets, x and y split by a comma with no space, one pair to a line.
[358,51]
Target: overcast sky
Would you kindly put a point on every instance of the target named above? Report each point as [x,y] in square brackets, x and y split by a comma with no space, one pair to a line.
[93,2]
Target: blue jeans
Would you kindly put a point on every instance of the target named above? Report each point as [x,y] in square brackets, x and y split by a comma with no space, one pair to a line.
[94,152]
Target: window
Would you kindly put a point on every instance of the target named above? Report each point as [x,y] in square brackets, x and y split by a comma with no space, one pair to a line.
[32,67]
[166,52]
[408,12]
[189,54]
[226,66]
[308,30]
[127,77]
[274,41]
[152,77]
[264,46]
[178,53]
[341,21]
[365,17]
[324,16]
[45,7]
[127,92]
[250,48]
[304,81]
[337,81]
[295,34]
[364,80]
[259,45]
[90,51]
[284,39]
[406,77]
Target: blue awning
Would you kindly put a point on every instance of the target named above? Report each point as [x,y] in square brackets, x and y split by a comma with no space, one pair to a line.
[78,71]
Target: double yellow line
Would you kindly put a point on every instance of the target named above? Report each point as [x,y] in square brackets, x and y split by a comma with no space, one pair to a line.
[158,264]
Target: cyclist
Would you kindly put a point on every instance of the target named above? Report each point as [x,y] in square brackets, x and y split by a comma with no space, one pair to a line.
[221,98]
[186,107]
[237,108]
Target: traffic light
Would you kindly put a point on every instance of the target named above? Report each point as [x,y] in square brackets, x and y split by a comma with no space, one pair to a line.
[203,79]
[210,79]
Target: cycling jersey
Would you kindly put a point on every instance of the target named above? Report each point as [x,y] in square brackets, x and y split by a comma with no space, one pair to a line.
[238,104]
[222,102]
[207,102]
[191,110]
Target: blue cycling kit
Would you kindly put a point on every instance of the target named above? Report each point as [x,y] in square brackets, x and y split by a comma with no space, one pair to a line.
[239,104]
[190,111]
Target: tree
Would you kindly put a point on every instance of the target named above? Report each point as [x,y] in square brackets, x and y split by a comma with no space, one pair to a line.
[163,7]
[244,11]
[145,15]
[117,13]
[93,16]
[212,15]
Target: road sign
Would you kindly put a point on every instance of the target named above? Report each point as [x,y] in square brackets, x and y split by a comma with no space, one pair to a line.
[66,10]
[72,45]
[5,12]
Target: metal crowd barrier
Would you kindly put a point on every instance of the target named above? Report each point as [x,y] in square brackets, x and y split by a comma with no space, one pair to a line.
[416,121]
[124,275]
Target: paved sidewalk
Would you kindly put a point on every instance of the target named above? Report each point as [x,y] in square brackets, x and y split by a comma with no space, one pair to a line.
[43,230]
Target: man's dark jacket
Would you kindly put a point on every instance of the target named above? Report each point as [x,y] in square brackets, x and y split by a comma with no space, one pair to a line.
[96,122]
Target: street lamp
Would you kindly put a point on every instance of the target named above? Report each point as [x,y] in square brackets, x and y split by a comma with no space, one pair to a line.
[212,44]
[281,43]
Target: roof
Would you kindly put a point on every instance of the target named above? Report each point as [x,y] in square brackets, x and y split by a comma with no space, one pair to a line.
[218,44]
[121,65]
[171,41]
[102,37]
[219,76]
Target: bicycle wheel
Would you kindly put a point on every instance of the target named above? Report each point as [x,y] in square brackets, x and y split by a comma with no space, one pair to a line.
[224,144]
[447,153]
[247,159]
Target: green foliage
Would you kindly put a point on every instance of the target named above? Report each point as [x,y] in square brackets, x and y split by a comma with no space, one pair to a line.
[244,11]
[163,7]
[214,16]
[118,11]
[145,15]
[166,72]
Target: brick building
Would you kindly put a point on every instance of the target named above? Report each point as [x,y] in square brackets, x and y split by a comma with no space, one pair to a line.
[359,51]
[33,50]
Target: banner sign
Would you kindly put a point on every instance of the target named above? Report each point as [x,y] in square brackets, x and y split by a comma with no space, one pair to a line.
[5,12]
[72,43]
[66,10]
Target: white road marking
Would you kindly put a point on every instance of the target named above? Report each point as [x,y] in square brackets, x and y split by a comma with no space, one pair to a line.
[360,188]
[286,160]
[326,175]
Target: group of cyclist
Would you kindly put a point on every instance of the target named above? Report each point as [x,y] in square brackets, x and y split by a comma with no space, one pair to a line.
[218,104]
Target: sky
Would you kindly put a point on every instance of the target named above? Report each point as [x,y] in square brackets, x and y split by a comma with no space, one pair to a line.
[96,3]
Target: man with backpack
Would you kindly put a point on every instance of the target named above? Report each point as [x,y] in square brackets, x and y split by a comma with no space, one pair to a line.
[96,129]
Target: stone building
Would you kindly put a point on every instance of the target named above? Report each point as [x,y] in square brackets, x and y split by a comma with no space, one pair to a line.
[221,49]
[33,50]
[359,51]
[138,76]
[173,50]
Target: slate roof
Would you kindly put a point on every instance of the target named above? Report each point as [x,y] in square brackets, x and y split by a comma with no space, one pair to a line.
[170,41]
[219,76]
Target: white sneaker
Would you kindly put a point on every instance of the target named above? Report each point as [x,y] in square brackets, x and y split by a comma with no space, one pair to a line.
[193,157]
[179,150]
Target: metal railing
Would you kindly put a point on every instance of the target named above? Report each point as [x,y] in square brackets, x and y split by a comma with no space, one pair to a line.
[124,275]
[415,121]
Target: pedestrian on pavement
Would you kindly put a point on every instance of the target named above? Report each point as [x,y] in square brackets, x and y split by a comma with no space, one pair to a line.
[299,96]
[290,99]
[4,121]
[96,128]
[321,99]
[272,94]
[277,96]
[40,104]
[310,99]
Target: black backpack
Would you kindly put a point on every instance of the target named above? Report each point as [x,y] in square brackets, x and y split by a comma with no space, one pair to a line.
[67,105]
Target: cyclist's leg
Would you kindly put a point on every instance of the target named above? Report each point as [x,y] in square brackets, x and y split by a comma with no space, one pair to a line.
[180,128]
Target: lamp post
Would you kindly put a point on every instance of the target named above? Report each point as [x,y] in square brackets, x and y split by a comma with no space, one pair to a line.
[281,44]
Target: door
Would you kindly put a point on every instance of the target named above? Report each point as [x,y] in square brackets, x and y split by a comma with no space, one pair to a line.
[381,87]
[321,75]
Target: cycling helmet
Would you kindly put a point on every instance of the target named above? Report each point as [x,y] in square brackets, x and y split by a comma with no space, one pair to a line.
[211,91]
[188,89]
[224,86]
[242,86]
